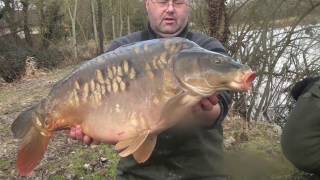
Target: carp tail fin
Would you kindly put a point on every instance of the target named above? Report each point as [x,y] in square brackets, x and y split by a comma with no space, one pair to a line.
[31,150]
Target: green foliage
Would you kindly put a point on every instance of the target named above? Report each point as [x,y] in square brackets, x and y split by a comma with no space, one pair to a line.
[13,57]
[54,25]
[49,58]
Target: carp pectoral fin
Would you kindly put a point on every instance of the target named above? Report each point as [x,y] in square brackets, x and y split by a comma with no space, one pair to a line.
[172,103]
[123,144]
[31,151]
[129,146]
[179,108]
[145,150]
[173,108]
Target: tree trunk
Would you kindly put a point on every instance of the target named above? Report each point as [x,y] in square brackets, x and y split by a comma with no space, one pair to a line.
[260,80]
[73,24]
[121,19]
[128,17]
[42,24]
[113,27]
[26,29]
[94,23]
[100,28]
[1,13]
[263,99]
[128,24]
[11,19]
[218,20]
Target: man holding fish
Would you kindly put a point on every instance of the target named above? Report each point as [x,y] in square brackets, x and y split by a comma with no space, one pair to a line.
[160,101]
[199,154]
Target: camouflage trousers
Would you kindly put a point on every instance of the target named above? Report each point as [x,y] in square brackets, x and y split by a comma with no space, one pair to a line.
[164,176]
[130,177]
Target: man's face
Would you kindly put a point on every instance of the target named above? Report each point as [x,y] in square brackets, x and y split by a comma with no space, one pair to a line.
[167,20]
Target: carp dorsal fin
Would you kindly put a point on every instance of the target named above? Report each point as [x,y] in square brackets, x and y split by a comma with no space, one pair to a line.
[145,150]
[129,146]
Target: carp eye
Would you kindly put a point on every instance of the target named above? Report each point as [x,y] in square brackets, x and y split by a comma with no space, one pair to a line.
[218,61]
[215,60]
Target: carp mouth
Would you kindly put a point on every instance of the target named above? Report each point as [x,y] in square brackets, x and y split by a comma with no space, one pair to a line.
[249,78]
[245,84]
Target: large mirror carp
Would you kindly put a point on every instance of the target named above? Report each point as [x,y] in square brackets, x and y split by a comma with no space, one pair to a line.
[128,96]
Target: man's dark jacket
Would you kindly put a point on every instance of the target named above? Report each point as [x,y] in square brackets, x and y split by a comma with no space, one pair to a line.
[197,154]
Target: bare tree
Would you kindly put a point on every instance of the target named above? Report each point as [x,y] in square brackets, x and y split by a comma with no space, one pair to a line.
[73,16]
[218,20]
[94,23]
[113,19]
[128,24]
[42,23]
[128,17]
[26,29]
[121,18]
[281,54]
[1,12]
[10,18]
[100,29]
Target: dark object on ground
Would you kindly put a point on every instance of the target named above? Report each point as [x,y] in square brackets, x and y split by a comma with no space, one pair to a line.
[302,86]
[301,135]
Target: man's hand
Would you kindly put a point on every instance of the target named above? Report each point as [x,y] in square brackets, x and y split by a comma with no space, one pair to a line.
[76,133]
[207,104]
[208,110]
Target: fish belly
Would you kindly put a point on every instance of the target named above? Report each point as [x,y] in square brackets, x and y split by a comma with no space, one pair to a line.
[125,115]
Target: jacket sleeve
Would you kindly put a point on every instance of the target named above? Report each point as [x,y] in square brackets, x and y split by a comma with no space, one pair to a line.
[225,99]
[300,139]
